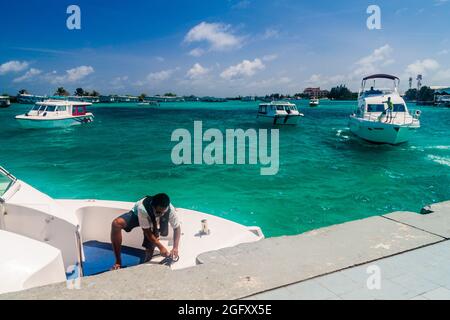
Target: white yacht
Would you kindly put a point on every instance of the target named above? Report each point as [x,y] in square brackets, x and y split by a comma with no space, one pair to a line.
[56,114]
[374,121]
[4,102]
[314,102]
[45,240]
[279,113]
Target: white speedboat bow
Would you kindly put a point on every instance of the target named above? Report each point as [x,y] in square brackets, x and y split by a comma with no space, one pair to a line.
[56,114]
[44,240]
[382,115]
[279,113]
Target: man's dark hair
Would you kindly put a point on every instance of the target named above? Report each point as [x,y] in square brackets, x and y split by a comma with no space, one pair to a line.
[161,200]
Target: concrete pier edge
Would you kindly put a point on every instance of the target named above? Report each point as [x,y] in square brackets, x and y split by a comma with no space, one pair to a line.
[249,269]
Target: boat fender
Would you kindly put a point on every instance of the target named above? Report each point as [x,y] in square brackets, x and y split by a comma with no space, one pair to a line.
[418,113]
[45,113]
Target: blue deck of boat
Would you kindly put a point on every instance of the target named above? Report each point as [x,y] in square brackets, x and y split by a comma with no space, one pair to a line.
[99,258]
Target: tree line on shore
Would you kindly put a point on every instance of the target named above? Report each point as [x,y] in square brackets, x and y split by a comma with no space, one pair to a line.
[340,92]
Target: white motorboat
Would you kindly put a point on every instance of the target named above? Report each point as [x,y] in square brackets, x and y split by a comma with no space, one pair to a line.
[314,102]
[443,101]
[45,240]
[374,121]
[148,103]
[279,113]
[56,114]
[4,102]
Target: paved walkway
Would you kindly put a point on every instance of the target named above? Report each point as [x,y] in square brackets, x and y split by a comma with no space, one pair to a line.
[420,274]
[411,250]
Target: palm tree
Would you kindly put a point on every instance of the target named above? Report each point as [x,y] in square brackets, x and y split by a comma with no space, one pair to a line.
[80,92]
[95,94]
[142,96]
[23,91]
[61,92]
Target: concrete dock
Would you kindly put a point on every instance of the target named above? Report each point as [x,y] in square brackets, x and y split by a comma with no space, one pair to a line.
[410,250]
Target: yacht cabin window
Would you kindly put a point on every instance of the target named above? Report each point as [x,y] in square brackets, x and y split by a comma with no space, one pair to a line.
[51,108]
[262,109]
[376,108]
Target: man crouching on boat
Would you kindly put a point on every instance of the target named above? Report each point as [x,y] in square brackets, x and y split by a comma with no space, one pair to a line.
[148,213]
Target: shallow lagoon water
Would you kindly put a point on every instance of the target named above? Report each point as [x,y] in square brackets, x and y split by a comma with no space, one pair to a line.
[326,176]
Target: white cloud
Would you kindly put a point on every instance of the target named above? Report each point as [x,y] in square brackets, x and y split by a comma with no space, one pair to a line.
[197,72]
[28,75]
[440,2]
[118,82]
[13,66]
[371,63]
[269,83]
[320,80]
[74,75]
[271,33]
[160,75]
[270,57]
[160,59]
[244,4]
[443,52]
[246,68]
[197,52]
[422,67]
[442,76]
[217,35]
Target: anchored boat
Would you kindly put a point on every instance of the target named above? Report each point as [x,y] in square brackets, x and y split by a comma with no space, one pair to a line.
[45,240]
[382,115]
[56,114]
[4,102]
[279,113]
[314,102]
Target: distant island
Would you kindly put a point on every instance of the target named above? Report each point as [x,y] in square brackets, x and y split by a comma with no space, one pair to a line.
[426,95]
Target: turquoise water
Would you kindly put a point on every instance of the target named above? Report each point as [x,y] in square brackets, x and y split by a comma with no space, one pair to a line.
[326,176]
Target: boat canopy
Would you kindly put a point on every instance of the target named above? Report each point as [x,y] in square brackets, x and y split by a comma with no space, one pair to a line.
[381,76]
[62,103]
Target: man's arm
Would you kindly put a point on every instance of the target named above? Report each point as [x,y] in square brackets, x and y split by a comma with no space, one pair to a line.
[151,237]
[176,242]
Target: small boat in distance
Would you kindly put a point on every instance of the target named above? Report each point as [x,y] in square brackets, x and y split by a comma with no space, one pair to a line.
[279,113]
[314,102]
[382,115]
[4,102]
[56,114]
[148,103]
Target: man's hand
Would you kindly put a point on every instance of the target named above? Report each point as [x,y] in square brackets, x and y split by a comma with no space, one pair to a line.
[174,253]
[164,252]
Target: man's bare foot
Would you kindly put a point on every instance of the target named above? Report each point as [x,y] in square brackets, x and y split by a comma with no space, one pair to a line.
[116,267]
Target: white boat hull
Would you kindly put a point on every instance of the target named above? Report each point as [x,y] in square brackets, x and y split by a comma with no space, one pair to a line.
[381,132]
[33,123]
[67,226]
[291,120]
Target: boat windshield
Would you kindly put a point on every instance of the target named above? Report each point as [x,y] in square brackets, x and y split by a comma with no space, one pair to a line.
[399,108]
[280,108]
[51,108]
[36,108]
[376,108]
[6,181]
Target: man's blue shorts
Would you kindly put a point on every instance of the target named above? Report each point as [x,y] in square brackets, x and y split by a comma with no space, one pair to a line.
[132,222]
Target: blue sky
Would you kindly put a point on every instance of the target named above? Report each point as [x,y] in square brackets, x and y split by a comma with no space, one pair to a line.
[220,47]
